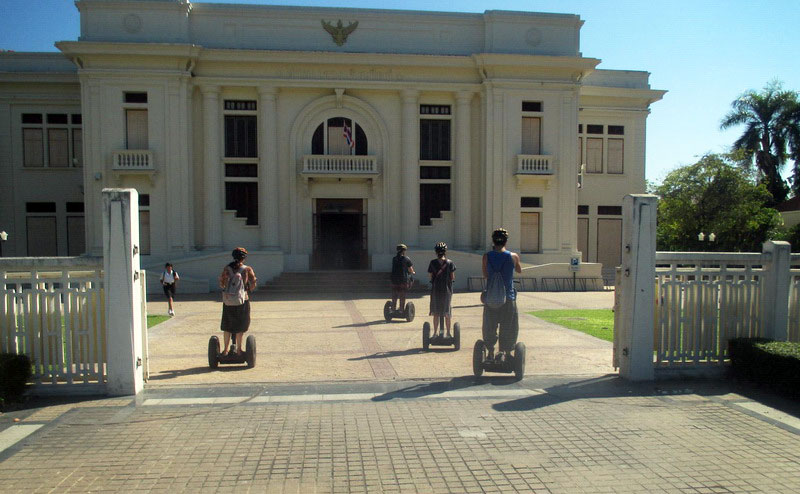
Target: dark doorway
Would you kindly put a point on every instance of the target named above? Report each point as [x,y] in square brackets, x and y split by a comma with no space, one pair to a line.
[340,235]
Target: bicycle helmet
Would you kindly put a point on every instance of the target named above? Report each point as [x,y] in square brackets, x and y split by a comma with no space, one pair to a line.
[239,254]
[440,247]
[500,236]
[401,247]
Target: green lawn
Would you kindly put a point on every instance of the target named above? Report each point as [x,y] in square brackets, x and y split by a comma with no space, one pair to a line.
[595,322]
[153,320]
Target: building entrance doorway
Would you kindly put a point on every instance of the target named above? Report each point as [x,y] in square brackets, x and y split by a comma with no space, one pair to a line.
[339,235]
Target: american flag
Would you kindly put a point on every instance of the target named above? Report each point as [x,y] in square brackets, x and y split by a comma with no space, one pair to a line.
[348,136]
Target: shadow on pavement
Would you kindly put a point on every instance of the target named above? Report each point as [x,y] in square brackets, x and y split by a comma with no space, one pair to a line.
[390,354]
[438,387]
[613,386]
[172,374]
[362,324]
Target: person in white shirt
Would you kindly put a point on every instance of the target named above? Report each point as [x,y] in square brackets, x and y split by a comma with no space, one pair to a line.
[169,278]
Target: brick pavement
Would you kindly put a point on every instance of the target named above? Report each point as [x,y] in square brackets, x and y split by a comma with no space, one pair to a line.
[545,434]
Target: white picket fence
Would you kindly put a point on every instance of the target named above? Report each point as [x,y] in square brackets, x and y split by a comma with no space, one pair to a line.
[705,299]
[52,309]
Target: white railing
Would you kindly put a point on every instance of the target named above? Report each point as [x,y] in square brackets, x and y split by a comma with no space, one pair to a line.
[794,300]
[133,160]
[52,309]
[337,164]
[702,301]
[534,164]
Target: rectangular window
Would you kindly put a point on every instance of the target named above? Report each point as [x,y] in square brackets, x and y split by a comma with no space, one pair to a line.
[41,235]
[580,128]
[583,238]
[594,155]
[434,109]
[583,209]
[77,147]
[240,105]
[530,202]
[58,147]
[241,170]
[135,97]
[531,135]
[616,130]
[580,151]
[529,232]
[434,140]
[240,136]
[57,118]
[434,172]
[32,118]
[242,197]
[136,129]
[74,207]
[609,210]
[77,119]
[144,200]
[40,207]
[433,199]
[616,152]
[144,231]
[532,106]
[594,129]
[33,147]
[76,238]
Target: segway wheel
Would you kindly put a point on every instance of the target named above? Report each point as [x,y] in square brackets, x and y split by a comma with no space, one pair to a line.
[387,311]
[519,361]
[426,335]
[478,353]
[410,311]
[213,352]
[457,336]
[250,351]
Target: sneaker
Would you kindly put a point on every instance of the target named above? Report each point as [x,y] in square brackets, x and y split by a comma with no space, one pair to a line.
[501,357]
[490,354]
[171,312]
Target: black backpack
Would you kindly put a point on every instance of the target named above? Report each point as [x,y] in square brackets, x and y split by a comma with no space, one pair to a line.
[399,270]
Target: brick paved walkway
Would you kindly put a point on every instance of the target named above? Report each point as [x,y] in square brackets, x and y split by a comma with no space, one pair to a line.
[547,435]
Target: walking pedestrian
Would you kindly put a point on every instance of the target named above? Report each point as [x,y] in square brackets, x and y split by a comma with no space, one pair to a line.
[169,280]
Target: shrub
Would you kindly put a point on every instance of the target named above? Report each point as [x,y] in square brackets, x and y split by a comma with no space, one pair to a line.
[773,363]
[15,370]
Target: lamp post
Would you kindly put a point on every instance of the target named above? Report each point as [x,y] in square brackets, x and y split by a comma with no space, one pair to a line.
[3,238]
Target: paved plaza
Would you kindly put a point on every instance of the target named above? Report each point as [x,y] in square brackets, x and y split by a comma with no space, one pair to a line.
[342,402]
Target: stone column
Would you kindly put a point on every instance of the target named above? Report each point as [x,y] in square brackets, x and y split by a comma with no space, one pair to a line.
[410,168]
[211,168]
[776,285]
[463,172]
[123,289]
[268,167]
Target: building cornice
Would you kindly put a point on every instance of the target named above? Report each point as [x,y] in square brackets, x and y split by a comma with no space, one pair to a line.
[40,77]
[646,95]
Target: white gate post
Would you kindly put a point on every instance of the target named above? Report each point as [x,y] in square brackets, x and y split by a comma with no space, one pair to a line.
[636,334]
[775,291]
[123,291]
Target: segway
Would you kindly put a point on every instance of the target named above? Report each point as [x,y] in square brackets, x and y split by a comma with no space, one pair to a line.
[513,363]
[248,356]
[406,313]
[436,340]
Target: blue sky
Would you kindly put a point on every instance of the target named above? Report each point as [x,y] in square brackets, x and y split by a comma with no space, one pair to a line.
[705,53]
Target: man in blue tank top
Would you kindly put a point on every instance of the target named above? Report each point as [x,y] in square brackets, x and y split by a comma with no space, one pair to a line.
[506,316]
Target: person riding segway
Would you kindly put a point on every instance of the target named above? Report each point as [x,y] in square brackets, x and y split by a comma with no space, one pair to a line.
[236,281]
[500,312]
[402,269]
[442,274]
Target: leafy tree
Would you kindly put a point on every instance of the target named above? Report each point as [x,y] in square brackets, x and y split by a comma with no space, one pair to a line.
[715,195]
[771,134]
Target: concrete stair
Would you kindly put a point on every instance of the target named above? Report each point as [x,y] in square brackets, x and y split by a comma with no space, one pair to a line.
[331,282]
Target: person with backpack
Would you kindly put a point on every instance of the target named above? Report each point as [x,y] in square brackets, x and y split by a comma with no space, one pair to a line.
[500,297]
[169,280]
[402,269]
[236,281]
[442,272]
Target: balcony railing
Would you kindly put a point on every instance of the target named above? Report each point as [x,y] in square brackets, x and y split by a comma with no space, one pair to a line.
[339,165]
[535,164]
[133,160]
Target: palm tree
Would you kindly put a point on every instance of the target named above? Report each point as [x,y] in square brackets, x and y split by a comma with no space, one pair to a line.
[771,129]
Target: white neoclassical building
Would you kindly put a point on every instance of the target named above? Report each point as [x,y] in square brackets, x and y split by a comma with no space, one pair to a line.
[319,138]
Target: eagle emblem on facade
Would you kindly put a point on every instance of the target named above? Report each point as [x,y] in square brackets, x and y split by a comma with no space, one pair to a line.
[339,32]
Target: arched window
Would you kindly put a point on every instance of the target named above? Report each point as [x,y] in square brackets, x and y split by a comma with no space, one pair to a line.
[336,136]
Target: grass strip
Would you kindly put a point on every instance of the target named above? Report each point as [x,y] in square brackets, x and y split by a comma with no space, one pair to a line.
[154,320]
[594,322]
